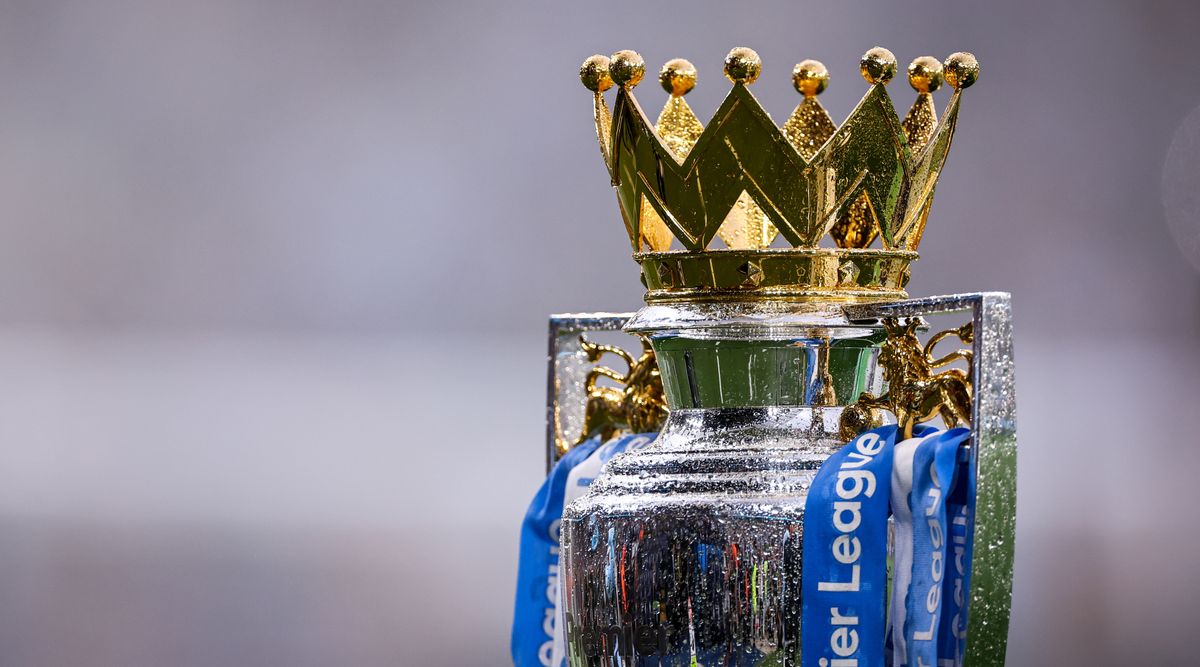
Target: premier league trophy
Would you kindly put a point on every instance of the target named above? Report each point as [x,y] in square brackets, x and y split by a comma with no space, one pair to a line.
[832,483]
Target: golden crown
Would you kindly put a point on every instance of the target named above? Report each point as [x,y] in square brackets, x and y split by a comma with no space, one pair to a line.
[771,195]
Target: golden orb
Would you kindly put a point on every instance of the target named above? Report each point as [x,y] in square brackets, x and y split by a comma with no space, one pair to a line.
[594,74]
[743,65]
[961,70]
[856,420]
[878,65]
[626,68]
[925,74]
[810,77]
[677,77]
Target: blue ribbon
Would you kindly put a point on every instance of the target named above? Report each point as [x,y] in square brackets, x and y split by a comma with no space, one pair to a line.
[844,578]
[537,575]
[937,571]
[845,553]
[952,635]
[535,617]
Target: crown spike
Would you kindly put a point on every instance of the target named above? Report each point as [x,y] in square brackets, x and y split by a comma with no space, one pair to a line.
[925,76]
[679,129]
[746,225]
[961,70]
[594,73]
[743,65]
[809,126]
[677,124]
[626,68]
[878,65]
[858,225]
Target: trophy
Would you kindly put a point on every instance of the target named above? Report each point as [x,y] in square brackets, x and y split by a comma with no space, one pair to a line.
[791,383]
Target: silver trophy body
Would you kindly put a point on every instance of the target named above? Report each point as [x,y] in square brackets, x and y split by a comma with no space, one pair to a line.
[689,551]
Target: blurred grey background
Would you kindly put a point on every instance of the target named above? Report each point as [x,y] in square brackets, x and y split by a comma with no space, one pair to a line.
[274,279]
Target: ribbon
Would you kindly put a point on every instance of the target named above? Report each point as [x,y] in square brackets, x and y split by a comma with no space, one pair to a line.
[537,570]
[960,509]
[902,549]
[932,593]
[844,580]
[922,482]
[952,635]
[537,631]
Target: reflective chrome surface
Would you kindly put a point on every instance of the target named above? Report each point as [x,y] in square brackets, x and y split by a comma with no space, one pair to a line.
[691,548]
[689,551]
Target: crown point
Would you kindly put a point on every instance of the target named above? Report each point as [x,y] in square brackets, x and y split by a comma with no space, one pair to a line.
[961,70]
[925,74]
[878,65]
[743,65]
[810,77]
[626,68]
[594,74]
[677,77]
